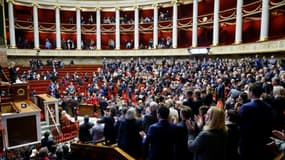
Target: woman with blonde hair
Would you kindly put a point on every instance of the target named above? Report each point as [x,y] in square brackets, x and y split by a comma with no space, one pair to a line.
[210,143]
[129,138]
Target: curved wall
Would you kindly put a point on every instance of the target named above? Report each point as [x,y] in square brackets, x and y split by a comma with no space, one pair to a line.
[250,29]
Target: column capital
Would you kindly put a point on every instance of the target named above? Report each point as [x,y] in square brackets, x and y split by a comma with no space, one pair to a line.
[35,4]
[10,1]
[98,8]
[136,7]
[155,5]
[57,6]
[174,2]
[78,8]
[117,8]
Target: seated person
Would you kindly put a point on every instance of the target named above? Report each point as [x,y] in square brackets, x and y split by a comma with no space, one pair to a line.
[70,90]
[65,119]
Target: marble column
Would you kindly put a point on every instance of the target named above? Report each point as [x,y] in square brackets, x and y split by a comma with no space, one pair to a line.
[264,21]
[78,28]
[216,23]
[36,26]
[174,26]
[238,32]
[57,27]
[98,28]
[11,24]
[136,45]
[195,24]
[155,25]
[117,28]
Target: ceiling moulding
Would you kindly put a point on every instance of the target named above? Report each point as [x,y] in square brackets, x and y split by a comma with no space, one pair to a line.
[100,3]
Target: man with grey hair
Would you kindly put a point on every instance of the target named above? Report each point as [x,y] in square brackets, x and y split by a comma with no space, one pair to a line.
[150,117]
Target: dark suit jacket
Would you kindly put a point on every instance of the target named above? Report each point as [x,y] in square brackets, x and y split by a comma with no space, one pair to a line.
[148,120]
[181,148]
[109,129]
[161,141]
[232,141]
[129,138]
[255,129]
[13,74]
[220,92]
[209,145]
[84,132]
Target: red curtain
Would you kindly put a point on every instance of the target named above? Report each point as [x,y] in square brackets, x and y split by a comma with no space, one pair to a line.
[66,15]
[46,15]
[205,36]
[125,37]
[23,13]
[65,36]
[88,37]
[129,14]
[145,37]
[22,36]
[164,34]
[185,11]
[105,39]
[86,16]
[226,4]
[164,10]
[276,28]
[107,14]
[251,30]
[205,7]
[184,38]
[227,33]
[145,13]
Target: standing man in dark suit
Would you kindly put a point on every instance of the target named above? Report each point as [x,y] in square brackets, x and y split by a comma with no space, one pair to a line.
[74,106]
[255,126]
[182,152]
[150,118]
[13,71]
[220,92]
[85,130]
[160,137]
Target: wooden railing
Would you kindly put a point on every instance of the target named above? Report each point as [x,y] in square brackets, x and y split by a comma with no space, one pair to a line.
[98,152]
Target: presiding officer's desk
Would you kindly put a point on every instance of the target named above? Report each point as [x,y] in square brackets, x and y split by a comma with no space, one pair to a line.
[21,124]
[25,106]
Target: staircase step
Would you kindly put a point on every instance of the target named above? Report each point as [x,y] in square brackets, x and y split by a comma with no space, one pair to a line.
[43,123]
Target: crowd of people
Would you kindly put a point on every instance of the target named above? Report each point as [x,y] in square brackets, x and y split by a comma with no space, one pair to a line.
[209,108]
[147,94]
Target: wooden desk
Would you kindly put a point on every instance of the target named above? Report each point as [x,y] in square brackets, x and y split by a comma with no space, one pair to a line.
[25,121]
[30,106]
[47,97]
[19,91]
[86,109]
[47,102]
